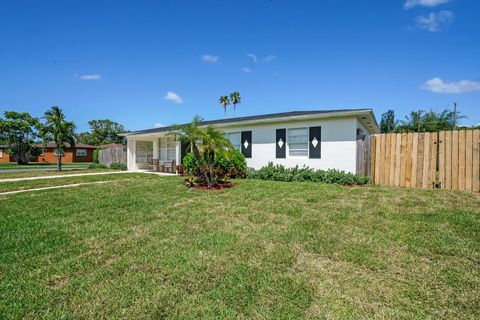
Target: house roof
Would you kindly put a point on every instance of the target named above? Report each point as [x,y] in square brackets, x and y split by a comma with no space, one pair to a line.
[53,145]
[372,125]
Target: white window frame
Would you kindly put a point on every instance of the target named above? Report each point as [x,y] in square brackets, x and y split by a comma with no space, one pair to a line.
[306,155]
[81,155]
[238,145]
[165,145]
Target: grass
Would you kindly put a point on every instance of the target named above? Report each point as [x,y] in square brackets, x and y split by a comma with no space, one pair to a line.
[150,248]
[38,165]
[10,175]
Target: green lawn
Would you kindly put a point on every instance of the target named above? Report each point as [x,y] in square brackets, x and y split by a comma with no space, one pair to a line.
[37,165]
[148,247]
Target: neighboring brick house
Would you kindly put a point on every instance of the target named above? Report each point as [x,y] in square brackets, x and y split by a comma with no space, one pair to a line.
[80,153]
[4,156]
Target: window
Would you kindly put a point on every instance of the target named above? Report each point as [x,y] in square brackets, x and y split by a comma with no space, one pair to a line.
[235,139]
[168,149]
[298,142]
[81,152]
[55,152]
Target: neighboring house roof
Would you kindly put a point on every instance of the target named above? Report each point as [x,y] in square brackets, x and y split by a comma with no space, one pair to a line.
[53,145]
[365,114]
[111,146]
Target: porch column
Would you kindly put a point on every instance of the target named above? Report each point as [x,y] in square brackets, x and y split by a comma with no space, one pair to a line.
[178,153]
[155,148]
[131,165]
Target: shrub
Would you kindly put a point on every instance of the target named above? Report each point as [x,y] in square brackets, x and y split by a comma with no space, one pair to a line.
[230,165]
[95,155]
[280,173]
[97,166]
[118,166]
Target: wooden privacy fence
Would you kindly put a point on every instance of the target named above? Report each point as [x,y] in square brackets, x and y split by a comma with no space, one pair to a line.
[445,159]
[112,155]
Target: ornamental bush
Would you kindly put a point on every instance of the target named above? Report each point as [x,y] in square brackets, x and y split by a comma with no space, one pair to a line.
[230,165]
[280,173]
[118,166]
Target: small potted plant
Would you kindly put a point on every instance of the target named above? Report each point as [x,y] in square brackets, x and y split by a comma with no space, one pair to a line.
[180,169]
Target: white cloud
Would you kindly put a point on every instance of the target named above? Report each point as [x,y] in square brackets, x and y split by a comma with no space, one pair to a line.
[439,86]
[435,21]
[254,57]
[246,70]
[90,77]
[269,58]
[172,96]
[210,58]
[159,125]
[423,3]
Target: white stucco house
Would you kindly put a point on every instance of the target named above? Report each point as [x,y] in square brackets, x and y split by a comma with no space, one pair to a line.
[323,139]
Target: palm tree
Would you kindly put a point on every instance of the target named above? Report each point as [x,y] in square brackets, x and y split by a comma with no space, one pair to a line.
[214,141]
[224,101]
[235,99]
[192,134]
[58,130]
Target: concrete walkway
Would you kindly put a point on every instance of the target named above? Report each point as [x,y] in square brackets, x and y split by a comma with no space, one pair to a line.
[59,187]
[40,169]
[63,176]
[83,175]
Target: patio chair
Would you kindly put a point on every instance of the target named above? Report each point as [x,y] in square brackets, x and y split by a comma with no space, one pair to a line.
[153,165]
[169,166]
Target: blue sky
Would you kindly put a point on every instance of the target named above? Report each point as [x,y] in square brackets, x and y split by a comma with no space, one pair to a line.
[147,63]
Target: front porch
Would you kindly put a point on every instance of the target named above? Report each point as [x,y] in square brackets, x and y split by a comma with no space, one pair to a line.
[145,152]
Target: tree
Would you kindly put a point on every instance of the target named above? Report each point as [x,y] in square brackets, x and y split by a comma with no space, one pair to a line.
[102,132]
[224,101]
[192,134]
[235,99]
[19,131]
[58,130]
[431,121]
[388,122]
[214,141]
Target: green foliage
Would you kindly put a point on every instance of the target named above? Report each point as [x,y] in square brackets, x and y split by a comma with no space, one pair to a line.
[102,132]
[97,166]
[19,131]
[430,121]
[118,166]
[57,129]
[95,155]
[280,173]
[388,122]
[229,164]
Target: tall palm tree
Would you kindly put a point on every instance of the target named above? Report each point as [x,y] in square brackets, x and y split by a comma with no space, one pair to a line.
[214,141]
[59,131]
[224,101]
[235,99]
[192,134]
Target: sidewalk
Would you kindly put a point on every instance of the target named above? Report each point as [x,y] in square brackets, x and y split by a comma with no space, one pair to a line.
[83,174]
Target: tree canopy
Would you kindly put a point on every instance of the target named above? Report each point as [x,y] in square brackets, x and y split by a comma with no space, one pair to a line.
[19,130]
[102,132]
[420,121]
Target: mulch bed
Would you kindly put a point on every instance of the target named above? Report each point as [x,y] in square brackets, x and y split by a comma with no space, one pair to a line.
[218,187]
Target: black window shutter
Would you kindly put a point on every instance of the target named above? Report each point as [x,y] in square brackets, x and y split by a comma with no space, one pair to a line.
[281,143]
[314,142]
[247,144]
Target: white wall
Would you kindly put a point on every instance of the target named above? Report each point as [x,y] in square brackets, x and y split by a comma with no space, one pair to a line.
[338,145]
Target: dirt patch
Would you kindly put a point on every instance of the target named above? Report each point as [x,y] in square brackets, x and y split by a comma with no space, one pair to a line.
[217,187]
